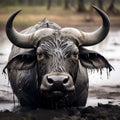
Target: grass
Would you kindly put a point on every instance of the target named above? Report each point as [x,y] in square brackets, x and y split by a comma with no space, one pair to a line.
[33,9]
[30,15]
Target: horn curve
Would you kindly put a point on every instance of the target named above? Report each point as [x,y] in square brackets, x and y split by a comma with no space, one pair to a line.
[98,35]
[88,39]
[18,39]
[25,40]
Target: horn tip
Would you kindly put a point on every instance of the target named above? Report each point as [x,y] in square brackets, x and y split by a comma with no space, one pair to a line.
[99,10]
[103,15]
[11,18]
[95,7]
[15,13]
[18,11]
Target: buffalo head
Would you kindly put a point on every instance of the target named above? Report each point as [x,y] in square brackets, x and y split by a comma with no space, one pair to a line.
[60,57]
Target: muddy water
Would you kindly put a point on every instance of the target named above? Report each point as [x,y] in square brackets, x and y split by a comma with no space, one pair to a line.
[103,88]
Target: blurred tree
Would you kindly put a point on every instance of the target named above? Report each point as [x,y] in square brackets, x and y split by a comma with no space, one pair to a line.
[59,2]
[42,2]
[66,4]
[81,6]
[100,4]
[72,2]
[8,2]
[29,2]
[112,8]
[49,4]
[21,1]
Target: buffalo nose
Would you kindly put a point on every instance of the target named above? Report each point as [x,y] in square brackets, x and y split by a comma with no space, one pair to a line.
[57,82]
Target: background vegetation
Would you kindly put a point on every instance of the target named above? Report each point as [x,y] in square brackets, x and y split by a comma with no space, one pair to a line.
[66,3]
[64,12]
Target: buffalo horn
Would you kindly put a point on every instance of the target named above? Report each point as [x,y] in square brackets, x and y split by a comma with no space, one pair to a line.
[88,39]
[25,40]
[18,39]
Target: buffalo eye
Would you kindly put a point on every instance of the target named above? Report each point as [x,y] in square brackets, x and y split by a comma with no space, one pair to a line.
[74,55]
[40,54]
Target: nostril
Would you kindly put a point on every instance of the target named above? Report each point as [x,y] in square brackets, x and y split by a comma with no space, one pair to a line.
[50,81]
[65,80]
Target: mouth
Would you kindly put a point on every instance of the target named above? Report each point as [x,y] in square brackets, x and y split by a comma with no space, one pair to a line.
[56,98]
[57,94]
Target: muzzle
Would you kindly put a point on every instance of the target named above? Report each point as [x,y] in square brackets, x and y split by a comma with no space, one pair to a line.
[57,84]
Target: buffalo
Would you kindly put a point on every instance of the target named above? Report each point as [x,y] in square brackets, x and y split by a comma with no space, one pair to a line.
[47,66]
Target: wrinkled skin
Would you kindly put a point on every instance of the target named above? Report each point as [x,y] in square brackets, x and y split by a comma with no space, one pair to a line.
[54,72]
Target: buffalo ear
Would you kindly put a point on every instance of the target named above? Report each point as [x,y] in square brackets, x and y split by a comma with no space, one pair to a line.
[93,60]
[22,62]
